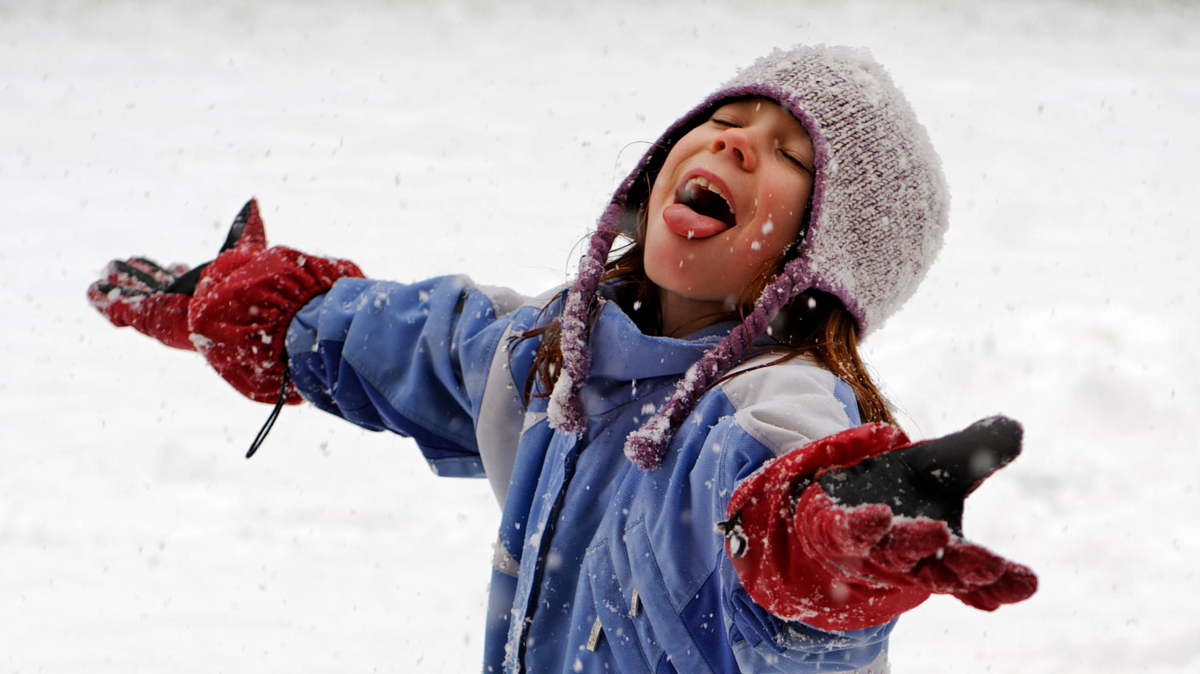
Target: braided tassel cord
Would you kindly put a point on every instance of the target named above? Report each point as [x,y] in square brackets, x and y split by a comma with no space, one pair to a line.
[565,410]
[647,446]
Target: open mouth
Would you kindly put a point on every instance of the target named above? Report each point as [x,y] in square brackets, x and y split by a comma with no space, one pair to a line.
[706,198]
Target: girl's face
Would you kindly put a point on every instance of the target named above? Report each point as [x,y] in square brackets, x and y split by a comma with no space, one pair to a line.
[729,197]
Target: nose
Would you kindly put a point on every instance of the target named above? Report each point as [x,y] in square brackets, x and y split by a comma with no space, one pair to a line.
[739,143]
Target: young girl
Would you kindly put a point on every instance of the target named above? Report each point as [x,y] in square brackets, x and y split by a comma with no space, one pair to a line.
[675,438]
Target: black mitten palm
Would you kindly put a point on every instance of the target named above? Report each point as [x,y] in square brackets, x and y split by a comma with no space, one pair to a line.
[923,485]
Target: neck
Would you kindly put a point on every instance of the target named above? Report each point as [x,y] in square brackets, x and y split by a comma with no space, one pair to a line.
[681,316]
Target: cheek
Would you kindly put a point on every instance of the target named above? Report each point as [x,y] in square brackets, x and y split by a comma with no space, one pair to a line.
[786,214]
[766,238]
[662,191]
[658,195]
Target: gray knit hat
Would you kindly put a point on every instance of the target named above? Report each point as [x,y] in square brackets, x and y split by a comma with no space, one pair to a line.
[877,217]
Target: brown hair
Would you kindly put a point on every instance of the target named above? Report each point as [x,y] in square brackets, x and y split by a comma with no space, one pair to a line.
[814,324]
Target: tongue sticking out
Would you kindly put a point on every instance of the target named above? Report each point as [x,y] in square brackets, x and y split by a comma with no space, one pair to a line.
[698,212]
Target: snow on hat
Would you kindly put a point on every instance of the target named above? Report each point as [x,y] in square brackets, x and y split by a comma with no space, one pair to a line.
[877,217]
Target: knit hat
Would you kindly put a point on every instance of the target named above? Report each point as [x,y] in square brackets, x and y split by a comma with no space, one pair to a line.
[877,216]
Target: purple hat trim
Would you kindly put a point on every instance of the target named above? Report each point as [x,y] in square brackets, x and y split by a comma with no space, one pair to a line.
[565,409]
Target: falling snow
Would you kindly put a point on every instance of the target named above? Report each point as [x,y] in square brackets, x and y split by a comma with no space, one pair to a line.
[1064,297]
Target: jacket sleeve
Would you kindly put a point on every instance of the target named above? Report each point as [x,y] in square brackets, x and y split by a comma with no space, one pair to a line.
[775,414]
[414,359]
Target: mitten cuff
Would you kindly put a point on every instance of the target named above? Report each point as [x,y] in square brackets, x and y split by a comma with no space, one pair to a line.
[243,305]
[774,561]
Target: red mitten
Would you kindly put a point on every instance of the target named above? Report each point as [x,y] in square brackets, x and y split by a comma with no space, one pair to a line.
[854,529]
[245,301]
[235,310]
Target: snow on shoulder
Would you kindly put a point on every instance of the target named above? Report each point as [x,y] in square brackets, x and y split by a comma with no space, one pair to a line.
[787,405]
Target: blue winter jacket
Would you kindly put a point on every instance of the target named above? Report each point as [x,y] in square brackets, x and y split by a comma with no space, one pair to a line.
[599,566]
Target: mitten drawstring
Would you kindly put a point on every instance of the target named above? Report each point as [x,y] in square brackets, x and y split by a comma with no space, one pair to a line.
[262,432]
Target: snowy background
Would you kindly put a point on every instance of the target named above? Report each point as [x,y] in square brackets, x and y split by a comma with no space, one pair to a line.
[482,137]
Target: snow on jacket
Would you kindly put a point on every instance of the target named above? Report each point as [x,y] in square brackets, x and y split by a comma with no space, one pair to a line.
[599,566]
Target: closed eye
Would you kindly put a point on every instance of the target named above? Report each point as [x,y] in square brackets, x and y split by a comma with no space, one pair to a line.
[725,122]
[797,161]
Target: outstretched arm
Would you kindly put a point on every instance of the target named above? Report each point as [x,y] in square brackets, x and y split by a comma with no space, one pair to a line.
[280,325]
